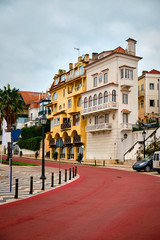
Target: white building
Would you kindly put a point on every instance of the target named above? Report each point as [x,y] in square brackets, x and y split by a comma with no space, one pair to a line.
[110,102]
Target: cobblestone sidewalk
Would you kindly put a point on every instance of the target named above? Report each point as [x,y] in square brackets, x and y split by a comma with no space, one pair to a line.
[23,173]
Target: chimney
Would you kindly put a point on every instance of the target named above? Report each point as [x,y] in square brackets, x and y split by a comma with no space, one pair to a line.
[79,59]
[144,72]
[86,58]
[70,66]
[131,46]
[94,56]
[61,71]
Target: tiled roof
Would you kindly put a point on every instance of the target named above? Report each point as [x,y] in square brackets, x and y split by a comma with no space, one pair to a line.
[125,110]
[119,49]
[30,97]
[153,71]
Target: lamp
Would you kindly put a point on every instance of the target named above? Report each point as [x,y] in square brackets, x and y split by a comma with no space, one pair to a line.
[43,122]
[144,135]
[124,137]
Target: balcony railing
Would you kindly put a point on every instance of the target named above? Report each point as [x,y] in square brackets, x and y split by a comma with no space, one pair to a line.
[77,139]
[126,126]
[67,140]
[99,127]
[101,107]
[74,75]
[52,142]
[65,125]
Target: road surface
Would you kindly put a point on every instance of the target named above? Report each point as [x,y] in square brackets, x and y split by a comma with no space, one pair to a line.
[103,204]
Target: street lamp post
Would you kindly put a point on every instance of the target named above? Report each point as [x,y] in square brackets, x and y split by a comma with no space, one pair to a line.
[144,135]
[43,177]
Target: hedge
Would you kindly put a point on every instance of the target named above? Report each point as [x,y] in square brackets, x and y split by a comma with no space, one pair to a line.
[30,132]
[31,143]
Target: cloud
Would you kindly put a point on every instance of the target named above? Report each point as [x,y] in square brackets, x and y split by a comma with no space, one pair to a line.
[38,37]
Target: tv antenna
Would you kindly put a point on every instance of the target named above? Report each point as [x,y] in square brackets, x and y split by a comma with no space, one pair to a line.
[77,50]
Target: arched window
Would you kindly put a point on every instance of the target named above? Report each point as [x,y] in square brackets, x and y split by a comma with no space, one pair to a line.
[85,102]
[79,102]
[90,101]
[55,96]
[100,98]
[105,97]
[114,96]
[95,100]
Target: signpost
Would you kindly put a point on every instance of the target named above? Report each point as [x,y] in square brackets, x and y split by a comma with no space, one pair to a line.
[59,143]
[14,136]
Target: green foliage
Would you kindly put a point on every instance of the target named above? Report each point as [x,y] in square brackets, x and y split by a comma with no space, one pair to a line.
[31,143]
[11,104]
[30,132]
[55,155]
[80,157]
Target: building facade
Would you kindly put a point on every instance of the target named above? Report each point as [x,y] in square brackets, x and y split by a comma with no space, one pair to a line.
[64,111]
[110,103]
[148,96]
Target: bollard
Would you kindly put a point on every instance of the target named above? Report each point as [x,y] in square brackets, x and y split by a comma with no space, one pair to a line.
[104,163]
[52,180]
[95,163]
[31,185]
[76,171]
[65,175]
[73,172]
[59,177]
[70,174]
[16,188]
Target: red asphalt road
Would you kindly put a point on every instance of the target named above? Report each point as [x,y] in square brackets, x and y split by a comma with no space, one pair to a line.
[103,204]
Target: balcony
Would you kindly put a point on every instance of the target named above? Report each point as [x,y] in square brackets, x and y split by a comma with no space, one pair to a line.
[141,93]
[67,141]
[126,126]
[99,108]
[65,125]
[77,139]
[99,127]
[52,143]
[74,75]
[126,82]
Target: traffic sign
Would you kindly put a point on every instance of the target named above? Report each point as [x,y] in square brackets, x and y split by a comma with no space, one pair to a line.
[59,142]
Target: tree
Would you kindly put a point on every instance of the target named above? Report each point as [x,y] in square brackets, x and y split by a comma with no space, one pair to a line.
[11,104]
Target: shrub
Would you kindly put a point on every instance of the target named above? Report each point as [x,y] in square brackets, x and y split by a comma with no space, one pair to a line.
[80,157]
[55,155]
[31,143]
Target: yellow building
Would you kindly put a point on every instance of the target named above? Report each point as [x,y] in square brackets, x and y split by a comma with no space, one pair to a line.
[64,111]
[148,98]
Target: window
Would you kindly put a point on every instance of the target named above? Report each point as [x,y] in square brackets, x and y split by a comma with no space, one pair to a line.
[96,119]
[125,117]
[142,103]
[100,98]
[114,96]
[63,92]
[63,78]
[95,100]
[151,86]
[79,86]
[63,105]
[129,74]
[105,77]
[79,102]
[81,70]
[60,107]
[56,121]
[125,98]
[152,103]
[69,103]
[122,73]
[142,87]
[90,101]
[106,118]
[105,96]
[55,96]
[158,86]
[56,81]
[100,78]
[85,102]
[94,81]
[55,109]
[76,119]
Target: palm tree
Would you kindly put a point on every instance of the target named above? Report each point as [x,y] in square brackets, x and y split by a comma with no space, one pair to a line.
[11,104]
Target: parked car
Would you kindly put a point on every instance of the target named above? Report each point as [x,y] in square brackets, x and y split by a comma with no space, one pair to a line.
[145,164]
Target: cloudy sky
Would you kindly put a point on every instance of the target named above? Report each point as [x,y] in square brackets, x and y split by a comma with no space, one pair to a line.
[37,37]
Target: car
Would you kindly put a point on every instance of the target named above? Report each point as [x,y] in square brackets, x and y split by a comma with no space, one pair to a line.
[145,164]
